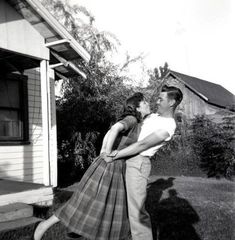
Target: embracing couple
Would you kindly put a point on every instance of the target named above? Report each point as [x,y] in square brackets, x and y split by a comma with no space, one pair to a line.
[110,198]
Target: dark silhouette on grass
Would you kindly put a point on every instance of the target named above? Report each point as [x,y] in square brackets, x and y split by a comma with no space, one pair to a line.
[172,218]
[155,191]
[156,187]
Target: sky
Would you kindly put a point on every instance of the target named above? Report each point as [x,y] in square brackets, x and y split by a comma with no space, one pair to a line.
[195,37]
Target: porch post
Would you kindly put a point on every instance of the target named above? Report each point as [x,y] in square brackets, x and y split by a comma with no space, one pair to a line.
[53,130]
[45,100]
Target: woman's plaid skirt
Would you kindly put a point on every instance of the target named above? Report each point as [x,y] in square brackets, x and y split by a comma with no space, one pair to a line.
[98,209]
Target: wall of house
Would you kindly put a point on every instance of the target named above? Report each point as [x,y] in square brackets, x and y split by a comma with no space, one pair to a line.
[27,162]
[18,35]
[191,104]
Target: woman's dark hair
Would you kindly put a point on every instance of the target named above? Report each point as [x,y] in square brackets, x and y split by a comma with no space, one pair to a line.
[131,104]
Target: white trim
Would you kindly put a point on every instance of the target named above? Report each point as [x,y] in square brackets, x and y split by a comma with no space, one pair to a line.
[45,120]
[68,64]
[77,70]
[53,132]
[30,197]
[51,44]
[42,11]
[56,65]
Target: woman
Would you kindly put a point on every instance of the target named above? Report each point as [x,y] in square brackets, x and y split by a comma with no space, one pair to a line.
[98,208]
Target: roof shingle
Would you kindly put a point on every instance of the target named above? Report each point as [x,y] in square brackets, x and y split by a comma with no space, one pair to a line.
[215,93]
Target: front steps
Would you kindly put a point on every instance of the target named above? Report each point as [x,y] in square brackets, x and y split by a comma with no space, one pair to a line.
[16,217]
[15,211]
[19,223]
[41,196]
[25,192]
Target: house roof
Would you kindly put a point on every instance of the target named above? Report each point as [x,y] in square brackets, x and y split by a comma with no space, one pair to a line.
[210,92]
[57,38]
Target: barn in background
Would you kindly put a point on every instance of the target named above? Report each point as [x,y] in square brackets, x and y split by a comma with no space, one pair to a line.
[201,97]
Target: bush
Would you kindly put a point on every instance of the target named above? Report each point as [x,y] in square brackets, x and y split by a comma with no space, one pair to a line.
[84,151]
[199,147]
[83,119]
[75,156]
[176,157]
[213,144]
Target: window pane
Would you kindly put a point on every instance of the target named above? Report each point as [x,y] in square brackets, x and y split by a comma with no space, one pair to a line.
[9,124]
[9,92]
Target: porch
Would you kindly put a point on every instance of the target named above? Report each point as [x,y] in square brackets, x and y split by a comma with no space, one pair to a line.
[24,192]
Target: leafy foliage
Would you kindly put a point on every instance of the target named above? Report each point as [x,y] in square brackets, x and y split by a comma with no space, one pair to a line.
[157,75]
[199,146]
[88,106]
[84,114]
[214,145]
[156,81]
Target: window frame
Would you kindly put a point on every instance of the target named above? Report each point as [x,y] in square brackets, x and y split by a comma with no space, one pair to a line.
[23,94]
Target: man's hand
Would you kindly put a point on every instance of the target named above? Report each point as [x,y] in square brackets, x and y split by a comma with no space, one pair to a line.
[152,140]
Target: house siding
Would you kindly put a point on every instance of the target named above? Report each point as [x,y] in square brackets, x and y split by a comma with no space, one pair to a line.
[25,162]
[191,104]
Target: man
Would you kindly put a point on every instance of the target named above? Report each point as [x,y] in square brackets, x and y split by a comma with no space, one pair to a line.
[156,130]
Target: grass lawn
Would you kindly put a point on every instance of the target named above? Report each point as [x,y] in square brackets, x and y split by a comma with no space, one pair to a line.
[189,208]
[181,208]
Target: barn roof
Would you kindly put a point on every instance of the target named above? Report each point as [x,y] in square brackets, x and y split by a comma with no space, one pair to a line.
[210,92]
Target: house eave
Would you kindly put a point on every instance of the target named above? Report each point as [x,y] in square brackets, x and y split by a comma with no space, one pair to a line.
[56,26]
[57,38]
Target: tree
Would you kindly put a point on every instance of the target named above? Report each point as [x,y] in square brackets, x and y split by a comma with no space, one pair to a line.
[156,81]
[88,106]
[157,75]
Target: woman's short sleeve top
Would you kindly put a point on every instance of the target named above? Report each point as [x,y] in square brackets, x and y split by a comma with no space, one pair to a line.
[130,133]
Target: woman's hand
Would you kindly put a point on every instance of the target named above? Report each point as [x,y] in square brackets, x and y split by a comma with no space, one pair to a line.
[108,159]
[103,154]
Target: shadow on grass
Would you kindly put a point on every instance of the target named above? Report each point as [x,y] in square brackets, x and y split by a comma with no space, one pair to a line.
[173,217]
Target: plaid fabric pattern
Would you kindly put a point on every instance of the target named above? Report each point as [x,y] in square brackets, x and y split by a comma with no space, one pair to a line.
[98,209]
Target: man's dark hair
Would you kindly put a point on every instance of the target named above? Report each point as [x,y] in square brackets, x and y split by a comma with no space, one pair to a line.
[131,104]
[173,93]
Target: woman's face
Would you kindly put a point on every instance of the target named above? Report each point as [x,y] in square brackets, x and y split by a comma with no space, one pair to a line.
[143,108]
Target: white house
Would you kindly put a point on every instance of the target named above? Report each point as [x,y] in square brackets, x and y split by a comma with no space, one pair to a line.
[34,49]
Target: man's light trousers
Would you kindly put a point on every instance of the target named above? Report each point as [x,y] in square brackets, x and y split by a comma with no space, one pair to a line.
[137,172]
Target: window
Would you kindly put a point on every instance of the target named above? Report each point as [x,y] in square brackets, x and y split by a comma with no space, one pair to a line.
[13,108]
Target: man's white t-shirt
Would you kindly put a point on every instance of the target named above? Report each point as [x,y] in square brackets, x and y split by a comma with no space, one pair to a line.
[154,123]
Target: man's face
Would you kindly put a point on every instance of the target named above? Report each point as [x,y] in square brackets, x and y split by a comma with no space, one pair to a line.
[143,108]
[164,104]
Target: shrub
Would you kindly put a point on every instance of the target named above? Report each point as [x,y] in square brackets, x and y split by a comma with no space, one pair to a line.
[84,151]
[177,157]
[199,147]
[213,145]
[75,156]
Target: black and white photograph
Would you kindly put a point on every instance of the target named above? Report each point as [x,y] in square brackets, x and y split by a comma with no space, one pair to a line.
[117,120]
